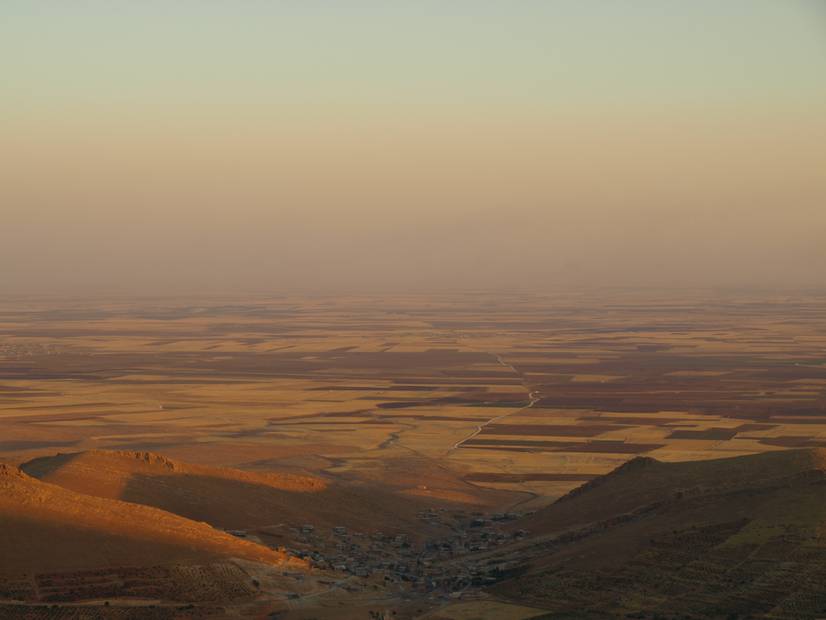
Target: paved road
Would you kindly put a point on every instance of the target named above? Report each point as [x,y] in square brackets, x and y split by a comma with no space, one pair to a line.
[533,397]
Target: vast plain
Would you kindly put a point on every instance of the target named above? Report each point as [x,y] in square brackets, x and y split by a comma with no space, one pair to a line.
[399,419]
[531,395]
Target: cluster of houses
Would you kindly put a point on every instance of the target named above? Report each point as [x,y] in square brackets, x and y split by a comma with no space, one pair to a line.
[445,565]
[17,351]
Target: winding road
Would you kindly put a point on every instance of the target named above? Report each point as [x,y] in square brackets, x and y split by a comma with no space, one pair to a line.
[533,397]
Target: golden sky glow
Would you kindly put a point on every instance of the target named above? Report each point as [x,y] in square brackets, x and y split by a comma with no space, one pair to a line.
[260,146]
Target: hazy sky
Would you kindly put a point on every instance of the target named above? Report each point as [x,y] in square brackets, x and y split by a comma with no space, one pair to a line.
[225,145]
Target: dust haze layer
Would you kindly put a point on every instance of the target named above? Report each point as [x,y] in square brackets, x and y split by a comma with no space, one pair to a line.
[229,148]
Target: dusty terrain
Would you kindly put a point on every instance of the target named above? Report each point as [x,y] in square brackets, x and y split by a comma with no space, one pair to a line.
[229,498]
[59,546]
[737,537]
[409,449]
[50,527]
[531,394]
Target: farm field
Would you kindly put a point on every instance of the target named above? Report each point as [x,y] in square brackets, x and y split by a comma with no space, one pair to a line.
[423,457]
[444,398]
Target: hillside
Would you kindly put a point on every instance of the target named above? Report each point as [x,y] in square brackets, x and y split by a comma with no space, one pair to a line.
[225,497]
[737,537]
[44,527]
[643,481]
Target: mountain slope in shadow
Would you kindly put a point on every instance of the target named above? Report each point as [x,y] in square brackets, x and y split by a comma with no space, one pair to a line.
[229,498]
[738,537]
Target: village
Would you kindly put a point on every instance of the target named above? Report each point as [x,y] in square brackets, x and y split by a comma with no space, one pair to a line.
[449,567]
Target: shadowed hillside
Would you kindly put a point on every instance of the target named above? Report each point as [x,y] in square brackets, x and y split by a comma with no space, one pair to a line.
[738,537]
[224,497]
